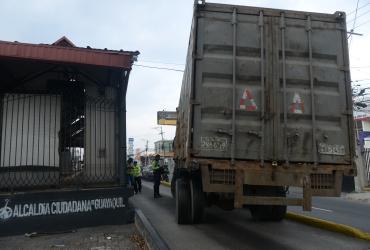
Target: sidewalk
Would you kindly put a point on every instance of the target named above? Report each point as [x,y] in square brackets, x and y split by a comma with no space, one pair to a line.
[358,196]
[94,238]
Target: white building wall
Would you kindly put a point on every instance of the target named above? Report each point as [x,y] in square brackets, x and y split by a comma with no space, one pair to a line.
[366,125]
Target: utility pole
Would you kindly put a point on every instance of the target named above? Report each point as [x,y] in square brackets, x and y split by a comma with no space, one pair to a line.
[162,140]
[162,145]
[146,153]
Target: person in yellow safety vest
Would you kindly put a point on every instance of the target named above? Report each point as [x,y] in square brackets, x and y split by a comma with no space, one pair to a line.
[129,173]
[157,171]
[136,172]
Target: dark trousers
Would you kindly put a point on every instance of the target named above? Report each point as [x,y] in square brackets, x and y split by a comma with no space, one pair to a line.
[157,182]
[131,182]
[137,186]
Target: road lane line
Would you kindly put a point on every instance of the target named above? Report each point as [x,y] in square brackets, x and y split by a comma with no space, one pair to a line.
[323,209]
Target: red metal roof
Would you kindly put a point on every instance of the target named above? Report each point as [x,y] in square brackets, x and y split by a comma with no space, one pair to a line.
[62,54]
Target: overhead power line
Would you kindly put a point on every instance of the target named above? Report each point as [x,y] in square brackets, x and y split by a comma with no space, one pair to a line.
[358,16]
[160,62]
[160,68]
[354,23]
[368,21]
[358,8]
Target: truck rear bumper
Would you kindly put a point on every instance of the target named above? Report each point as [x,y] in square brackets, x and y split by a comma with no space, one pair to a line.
[323,180]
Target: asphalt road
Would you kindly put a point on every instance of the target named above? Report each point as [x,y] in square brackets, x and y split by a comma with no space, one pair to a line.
[235,229]
[351,213]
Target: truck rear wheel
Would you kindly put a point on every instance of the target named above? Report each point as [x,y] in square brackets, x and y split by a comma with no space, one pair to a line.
[183,201]
[197,200]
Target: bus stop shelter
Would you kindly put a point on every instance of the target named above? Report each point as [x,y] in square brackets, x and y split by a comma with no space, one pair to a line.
[62,136]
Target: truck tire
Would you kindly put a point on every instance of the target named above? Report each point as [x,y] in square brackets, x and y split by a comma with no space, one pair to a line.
[175,176]
[197,200]
[183,201]
[268,212]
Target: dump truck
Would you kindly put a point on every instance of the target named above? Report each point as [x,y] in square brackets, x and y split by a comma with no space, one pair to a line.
[265,105]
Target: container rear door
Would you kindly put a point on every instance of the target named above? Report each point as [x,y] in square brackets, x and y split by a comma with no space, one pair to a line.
[314,125]
[213,106]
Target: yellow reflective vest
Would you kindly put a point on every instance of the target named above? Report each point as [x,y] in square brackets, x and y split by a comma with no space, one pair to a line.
[155,166]
[136,171]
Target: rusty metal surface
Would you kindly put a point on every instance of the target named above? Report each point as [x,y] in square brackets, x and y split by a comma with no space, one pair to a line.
[60,54]
[219,176]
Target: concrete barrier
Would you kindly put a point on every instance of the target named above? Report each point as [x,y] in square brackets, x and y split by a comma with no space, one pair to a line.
[328,225]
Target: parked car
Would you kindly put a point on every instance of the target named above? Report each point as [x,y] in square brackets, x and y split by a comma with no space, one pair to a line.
[147,173]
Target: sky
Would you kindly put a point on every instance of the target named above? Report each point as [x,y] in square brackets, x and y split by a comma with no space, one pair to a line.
[160,31]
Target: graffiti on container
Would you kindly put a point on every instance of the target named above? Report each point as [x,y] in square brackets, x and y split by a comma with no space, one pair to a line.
[297,105]
[213,143]
[247,101]
[328,149]
[58,207]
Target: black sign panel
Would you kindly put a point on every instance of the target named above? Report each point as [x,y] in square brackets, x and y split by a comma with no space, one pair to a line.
[52,211]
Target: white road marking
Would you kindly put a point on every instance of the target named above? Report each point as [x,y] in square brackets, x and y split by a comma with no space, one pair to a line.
[323,209]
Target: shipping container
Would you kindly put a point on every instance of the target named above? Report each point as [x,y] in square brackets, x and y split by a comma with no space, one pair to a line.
[265,104]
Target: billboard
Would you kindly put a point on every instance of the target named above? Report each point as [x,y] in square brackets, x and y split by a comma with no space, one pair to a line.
[166,117]
[130,151]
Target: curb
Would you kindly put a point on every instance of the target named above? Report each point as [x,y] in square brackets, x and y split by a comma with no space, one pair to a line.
[328,225]
[165,183]
[153,239]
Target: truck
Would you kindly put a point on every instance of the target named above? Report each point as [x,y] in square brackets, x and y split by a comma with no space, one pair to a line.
[265,105]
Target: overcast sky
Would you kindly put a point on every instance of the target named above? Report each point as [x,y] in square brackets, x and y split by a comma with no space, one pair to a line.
[160,31]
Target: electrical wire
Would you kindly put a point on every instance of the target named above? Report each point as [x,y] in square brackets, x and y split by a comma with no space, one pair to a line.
[366,22]
[353,11]
[354,23]
[160,68]
[358,16]
[160,62]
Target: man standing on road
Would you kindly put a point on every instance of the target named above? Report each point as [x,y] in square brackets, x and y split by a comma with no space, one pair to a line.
[130,177]
[137,177]
[157,176]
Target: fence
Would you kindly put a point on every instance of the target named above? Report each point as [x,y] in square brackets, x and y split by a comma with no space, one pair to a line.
[366,156]
[58,140]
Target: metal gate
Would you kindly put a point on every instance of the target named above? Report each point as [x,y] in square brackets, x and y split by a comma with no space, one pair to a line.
[58,140]
[366,156]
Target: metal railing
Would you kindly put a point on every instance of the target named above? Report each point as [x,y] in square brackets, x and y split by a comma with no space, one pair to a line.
[58,140]
[366,156]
